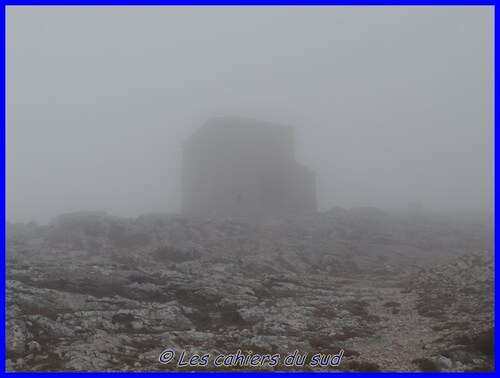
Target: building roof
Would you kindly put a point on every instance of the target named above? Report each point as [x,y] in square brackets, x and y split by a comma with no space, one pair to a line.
[221,123]
[304,168]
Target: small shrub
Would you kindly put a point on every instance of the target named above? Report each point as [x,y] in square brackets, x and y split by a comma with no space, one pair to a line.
[431,308]
[392,304]
[463,340]
[231,316]
[325,312]
[122,318]
[321,342]
[484,342]
[426,365]
[357,307]
[371,318]
[364,366]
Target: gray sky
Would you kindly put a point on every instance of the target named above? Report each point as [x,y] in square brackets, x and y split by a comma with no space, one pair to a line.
[389,104]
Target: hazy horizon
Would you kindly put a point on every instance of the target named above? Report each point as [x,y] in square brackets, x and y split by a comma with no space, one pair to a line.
[389,104]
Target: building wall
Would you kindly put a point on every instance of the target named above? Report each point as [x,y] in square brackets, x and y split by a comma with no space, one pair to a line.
[223,168]
[301,190]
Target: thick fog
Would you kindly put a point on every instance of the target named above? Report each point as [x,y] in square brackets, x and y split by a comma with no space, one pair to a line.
[389,105]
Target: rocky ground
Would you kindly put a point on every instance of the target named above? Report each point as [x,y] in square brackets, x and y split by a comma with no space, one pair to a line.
[92,292]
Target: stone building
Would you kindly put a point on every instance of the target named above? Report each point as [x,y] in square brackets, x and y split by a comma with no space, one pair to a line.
[238,167]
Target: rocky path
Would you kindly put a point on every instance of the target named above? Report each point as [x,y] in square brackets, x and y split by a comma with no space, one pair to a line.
[401,333]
